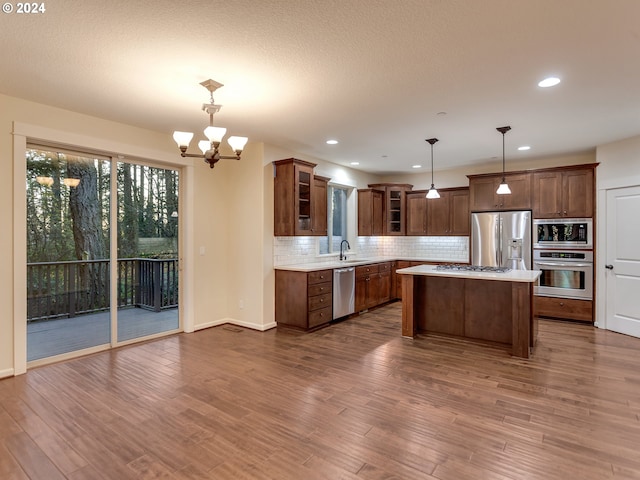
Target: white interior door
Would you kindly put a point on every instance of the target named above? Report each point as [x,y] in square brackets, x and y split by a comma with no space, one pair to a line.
[623,261]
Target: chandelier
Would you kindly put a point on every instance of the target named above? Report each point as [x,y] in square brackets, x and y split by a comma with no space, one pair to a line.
[210,147]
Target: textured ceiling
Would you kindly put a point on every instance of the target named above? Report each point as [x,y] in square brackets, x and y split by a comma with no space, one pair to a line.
[373,74]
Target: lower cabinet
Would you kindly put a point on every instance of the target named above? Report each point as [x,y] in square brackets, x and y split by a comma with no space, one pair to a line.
[399,265]
[373,285]
[565,308]
[304,299]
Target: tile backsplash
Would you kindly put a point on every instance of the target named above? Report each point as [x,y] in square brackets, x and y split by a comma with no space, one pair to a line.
[298,250]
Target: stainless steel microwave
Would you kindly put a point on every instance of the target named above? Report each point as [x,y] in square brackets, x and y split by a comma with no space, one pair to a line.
[563,233]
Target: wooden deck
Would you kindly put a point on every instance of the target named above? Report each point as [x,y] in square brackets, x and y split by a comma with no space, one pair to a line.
[351,401]
[54,337]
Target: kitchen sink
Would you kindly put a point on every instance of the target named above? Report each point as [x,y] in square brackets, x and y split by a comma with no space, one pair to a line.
[356,260]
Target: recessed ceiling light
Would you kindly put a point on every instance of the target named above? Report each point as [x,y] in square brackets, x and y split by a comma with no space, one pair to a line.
[416,166]
[354,163]
[524,147]
[332,142]
[549,82]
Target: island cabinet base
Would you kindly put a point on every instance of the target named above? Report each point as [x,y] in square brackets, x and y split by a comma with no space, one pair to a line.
[478,309]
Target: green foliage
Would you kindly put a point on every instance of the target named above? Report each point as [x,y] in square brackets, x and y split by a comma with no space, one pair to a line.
[147,206]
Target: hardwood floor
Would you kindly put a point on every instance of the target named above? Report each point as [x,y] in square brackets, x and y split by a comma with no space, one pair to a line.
[352,401]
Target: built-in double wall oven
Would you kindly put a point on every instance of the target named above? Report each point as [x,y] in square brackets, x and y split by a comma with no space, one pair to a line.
[563,252]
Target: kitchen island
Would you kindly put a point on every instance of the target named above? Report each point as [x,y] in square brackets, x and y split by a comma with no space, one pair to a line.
[494,307]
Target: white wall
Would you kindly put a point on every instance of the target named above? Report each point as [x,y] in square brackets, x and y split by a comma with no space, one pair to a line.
[619,167]
[225,207]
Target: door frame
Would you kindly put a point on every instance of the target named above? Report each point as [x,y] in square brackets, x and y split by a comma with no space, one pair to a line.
[600,257]
[118,151]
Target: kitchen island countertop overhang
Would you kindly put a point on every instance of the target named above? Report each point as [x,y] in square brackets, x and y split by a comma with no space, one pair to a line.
[495,307]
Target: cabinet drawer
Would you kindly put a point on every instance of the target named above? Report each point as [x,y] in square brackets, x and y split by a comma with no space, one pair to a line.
[318,317]
[384,267]
[319,277]
[319,289]
[568,308]
[367,269]
[320,301]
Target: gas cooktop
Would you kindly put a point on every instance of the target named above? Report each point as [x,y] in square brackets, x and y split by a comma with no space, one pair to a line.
[473,268]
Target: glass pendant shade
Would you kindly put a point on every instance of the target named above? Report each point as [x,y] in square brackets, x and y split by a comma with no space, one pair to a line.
[433,193]
[210,147]
[46,181]
[182,138]
[204,145]
[503,189]
[215,134]
[237,143]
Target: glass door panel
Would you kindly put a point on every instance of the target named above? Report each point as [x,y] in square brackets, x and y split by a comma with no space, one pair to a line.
[147,250]
[67,252]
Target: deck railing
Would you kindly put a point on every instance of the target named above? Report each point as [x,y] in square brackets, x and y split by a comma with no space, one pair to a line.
[67,289]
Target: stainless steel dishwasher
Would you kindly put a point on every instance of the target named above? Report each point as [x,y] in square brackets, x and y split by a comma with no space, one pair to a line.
[344,286]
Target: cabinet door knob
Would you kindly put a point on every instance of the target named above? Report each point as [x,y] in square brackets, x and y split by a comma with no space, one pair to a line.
[609,267]
[562,304]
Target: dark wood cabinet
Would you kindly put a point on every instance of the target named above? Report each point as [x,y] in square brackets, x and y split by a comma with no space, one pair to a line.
[400,264]
[366,286]
[373,285]
[566,192]
[563,308]
[393,288]
[299,201]
[383,287]
[416,205]
[304,299]
[483,196]
[394,206]
[449,214]
[370,212]
[319,205]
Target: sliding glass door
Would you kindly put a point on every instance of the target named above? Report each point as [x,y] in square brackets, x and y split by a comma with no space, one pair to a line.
[68,270]
[72,233]
[147,251]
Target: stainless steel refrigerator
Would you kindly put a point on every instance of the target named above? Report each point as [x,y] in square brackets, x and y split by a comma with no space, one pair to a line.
[501,239]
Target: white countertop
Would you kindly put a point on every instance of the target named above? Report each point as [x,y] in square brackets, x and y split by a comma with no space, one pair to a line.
[527,276]
[355,262]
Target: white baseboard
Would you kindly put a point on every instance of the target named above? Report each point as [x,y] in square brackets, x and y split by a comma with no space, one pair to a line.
[232,321]
[9,372]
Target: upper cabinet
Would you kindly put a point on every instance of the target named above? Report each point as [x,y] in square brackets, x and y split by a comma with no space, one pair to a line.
[300,202]
[416,212]
[319,205]
[449,214]
[370,212]
[564,192]
[483,196]
[394,212]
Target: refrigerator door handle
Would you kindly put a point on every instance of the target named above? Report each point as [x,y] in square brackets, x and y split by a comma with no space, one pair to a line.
[499,241]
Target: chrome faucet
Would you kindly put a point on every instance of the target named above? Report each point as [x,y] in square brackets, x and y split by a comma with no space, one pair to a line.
[343,256]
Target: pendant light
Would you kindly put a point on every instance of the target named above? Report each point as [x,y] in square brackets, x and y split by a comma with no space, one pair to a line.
[503,189]
[432,193]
